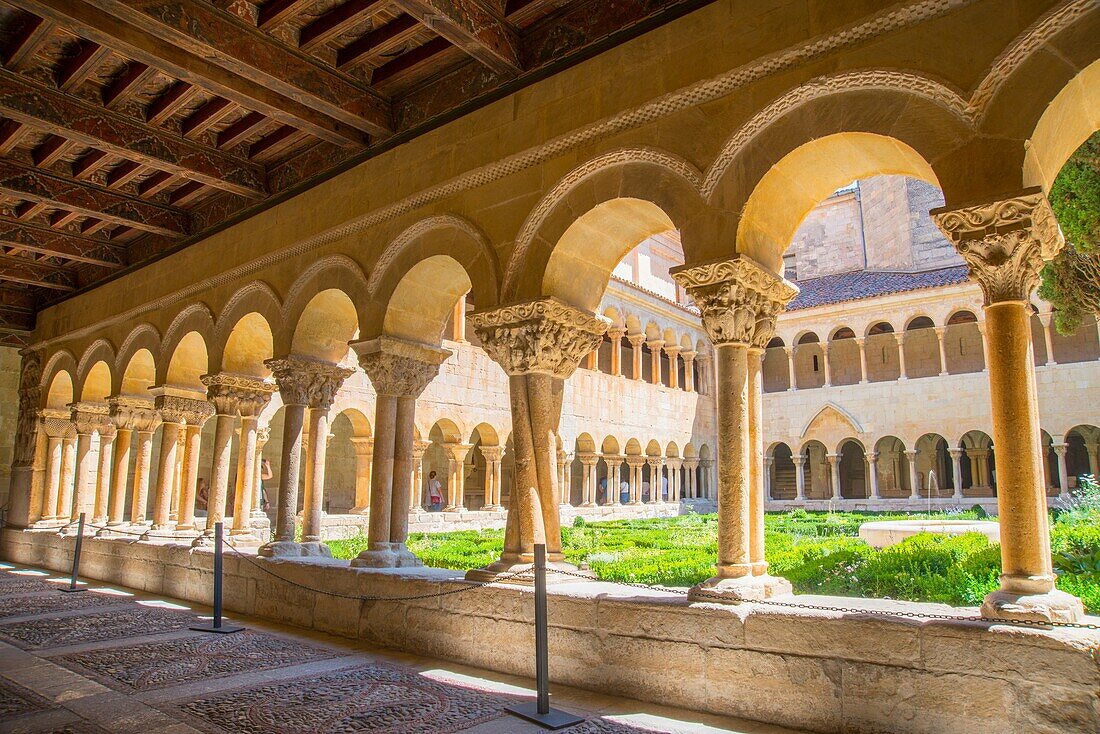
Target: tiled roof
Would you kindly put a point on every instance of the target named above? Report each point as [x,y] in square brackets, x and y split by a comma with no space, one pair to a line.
[859,284]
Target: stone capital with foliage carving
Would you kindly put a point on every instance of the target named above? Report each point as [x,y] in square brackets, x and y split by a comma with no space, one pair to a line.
[308,382]
[183,410]
[399,368]
[738,298]
[1004,242]
[546,336]
[231,393]
[133,414]
[89,417]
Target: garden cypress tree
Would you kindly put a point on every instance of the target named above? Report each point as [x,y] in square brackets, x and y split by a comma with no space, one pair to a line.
[1071,282]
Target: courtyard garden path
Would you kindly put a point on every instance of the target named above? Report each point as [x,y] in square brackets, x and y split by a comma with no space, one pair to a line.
[118,661]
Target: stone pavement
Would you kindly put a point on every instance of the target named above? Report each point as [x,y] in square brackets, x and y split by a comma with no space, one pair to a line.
[113,660]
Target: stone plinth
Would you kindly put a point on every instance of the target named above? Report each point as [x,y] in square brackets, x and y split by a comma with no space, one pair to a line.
[803,668]
[891,532]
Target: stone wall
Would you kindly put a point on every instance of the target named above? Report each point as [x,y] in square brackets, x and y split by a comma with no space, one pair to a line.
[811,669]
[9,414]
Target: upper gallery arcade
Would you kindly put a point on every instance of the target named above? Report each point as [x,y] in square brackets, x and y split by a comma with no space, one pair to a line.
[528,204]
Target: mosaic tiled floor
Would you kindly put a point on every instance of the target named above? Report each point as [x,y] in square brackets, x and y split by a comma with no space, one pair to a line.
[196,657]
[71,664]
[96,625]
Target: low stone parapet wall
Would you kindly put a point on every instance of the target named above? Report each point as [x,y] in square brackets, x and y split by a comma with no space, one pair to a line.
[938,504]
[825,671]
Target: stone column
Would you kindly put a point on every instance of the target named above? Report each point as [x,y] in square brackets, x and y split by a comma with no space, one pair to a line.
[616,337]
[177,477]
[263,435]
[941,332]
[87,419]
[456,485]
[899,336]
[825,364]
[294,377]
[769,463]
[125,413]
[655,477]
[791,368]
[321,397]
[460,319]
[538,344]
[493,456]
[861,342]
[655,346]
[675,482]
[739,301]
[703,384]
[1005,244]
[416,496]
[364,453]
[68,475]
[757,491]
[635,464]
[593,359]
[673,366]
[708,479]
[107,433]
[57,426]
[400,371]
[956,473]
[173,421]
[872,474]
[1093,451]
[1063,473]
[833,460]
[914,475]
[636,341]
[25,488]
[139,415]
[1044,319]
[691,467]
[588,479]
[689,371]
[198,413]
[252,403]
[613,497]
[799,476]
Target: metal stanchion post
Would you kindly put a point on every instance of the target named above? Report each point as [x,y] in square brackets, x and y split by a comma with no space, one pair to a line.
[216,625]
[73,588]
[539,711]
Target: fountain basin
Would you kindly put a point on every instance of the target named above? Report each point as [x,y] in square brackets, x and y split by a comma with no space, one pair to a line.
[891,532]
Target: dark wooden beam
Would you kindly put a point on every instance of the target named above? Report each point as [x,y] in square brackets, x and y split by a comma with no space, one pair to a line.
[91,226]
[26,45]
[61,219]
[199,28]
[11,134]
[216,75]
[127,83]
[275,143]
[74,119]
[76,70]
[27,272]
[89,163]
[337,21]
[40,187]
[186,194]
[51,150]
[123,174]
[280,11]
[30,209]
[207,116]
[240,130]
[156,183]
[474,28]
[380,40]
[405,63]
[172,101]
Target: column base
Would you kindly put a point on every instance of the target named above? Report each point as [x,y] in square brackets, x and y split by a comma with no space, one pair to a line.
[587,504]
[514,563]
[1050,606]
[738,590]
[634,503]
[492,508]
[453,508]
[358,511]
[386,555]
[291,549]
[243,540]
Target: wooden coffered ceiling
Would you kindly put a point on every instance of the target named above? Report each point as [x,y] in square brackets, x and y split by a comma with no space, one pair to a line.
[129,128]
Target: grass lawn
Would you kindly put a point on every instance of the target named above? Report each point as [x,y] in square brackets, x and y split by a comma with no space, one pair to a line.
[818,552]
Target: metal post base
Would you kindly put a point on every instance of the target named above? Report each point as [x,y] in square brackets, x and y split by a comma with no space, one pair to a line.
[553,719]
[72,591]
[225,629]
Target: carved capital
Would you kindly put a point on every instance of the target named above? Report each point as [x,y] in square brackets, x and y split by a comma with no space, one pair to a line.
[30,397]
[1004,242]
[232,394]
[634,461]
[308,382]
[399,368]
[89,417]
[181,410]
[57,423]
[492,454]
[739,299]
[133,414]
[263,435]
[545,337]
[636,340]
[1060,448]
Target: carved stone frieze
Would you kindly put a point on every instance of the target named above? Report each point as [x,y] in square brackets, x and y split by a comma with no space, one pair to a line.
[231,393]
[546,336]
[399,368]
[310,382]
[133,414]
[738,298]
[30,397]
[1004,242]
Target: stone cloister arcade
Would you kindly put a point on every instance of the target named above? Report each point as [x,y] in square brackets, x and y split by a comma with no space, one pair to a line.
[351,284]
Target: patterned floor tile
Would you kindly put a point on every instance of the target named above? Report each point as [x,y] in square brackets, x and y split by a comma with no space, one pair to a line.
[202,657]
[54,601]
[15,700]
[602,726]
[11,584]
[128,621]
[375,699]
